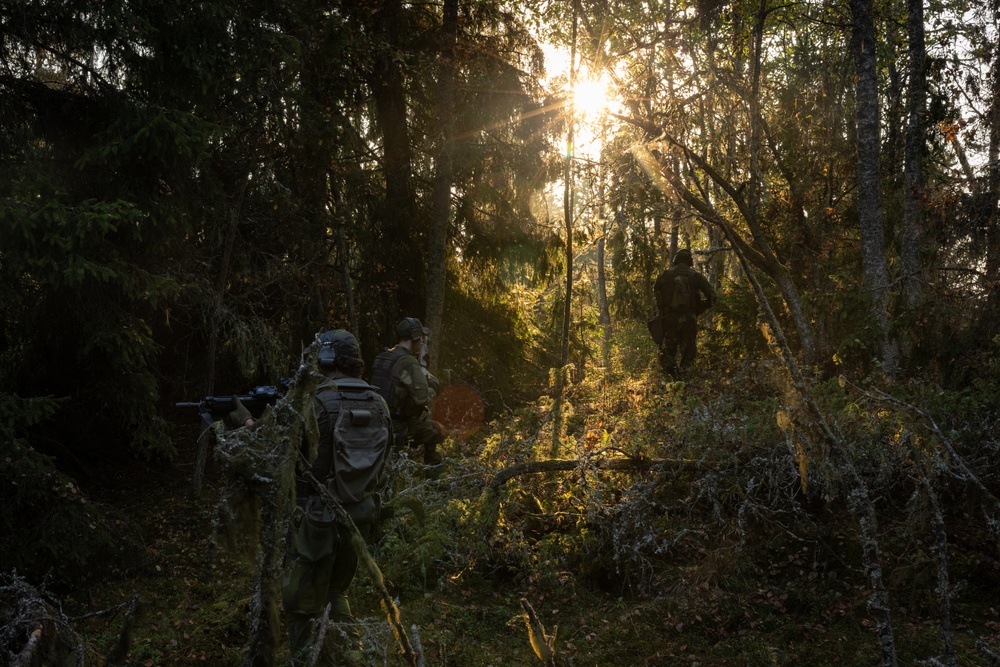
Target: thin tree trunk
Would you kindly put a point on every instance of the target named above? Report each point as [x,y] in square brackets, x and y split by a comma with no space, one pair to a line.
[753,187]
[993,180]
[212,344]
[602,297]
[913,180]
[869,197]
[602,278]
[568,202]
[813,422]
[219,293]
[560,379]
[437,260]
[345,268]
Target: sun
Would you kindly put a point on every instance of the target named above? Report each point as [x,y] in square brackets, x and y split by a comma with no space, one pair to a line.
[590,96]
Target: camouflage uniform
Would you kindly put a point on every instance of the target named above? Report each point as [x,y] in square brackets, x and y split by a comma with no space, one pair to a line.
[680,329]
[408,390]
[321,562]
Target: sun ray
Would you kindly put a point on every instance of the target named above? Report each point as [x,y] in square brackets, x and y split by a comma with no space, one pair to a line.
[590,96]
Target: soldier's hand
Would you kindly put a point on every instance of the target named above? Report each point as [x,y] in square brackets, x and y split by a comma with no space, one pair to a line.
[240,416]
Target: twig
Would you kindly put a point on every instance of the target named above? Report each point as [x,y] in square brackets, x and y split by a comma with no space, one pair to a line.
[966,471]
[324,624]
[992,658]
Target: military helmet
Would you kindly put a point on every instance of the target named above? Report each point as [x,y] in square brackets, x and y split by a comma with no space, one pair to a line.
[683,256]
[410,328]
[337,343]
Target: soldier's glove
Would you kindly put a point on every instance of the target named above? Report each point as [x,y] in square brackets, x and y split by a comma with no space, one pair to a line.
[239,416]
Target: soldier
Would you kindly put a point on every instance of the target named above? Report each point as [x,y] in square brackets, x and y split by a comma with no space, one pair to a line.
[409,390]
[682,294]
[355,436]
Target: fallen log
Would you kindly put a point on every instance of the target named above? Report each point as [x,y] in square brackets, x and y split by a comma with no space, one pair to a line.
[616,464]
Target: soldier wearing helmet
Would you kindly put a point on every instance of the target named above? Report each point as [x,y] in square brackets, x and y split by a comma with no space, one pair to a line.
[682,294]
[321,561]
[409,390]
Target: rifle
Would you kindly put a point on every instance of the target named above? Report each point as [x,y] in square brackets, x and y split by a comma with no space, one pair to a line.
[213,408]
[423,355]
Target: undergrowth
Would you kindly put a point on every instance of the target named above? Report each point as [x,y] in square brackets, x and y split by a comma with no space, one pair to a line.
[699,523]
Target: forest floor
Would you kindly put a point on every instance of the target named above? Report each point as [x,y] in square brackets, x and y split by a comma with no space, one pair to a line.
[783,602]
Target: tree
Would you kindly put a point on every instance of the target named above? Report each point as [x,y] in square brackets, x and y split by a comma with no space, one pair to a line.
[913,184]
[437,262]
[869,178]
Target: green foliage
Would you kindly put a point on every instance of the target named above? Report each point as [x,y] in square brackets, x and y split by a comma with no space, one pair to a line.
[49,527]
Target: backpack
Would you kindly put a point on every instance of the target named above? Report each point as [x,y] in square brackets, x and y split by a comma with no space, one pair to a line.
[360,439]
[683,294]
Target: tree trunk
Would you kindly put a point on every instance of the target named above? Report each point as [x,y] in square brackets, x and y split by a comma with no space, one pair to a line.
[568,203]
[437,258]
[869,194]
[345,269]
[602,296]
[219,293]
[913,189]
[399,213]
[993,180]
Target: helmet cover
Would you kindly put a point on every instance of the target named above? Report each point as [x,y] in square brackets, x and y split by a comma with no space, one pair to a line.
[337,343]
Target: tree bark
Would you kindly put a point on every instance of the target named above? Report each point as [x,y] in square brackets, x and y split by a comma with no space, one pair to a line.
[869,193]
[993,180]
[399,212]
[568,202]
[437,258]
[602,278]
[219,293]
[913,181]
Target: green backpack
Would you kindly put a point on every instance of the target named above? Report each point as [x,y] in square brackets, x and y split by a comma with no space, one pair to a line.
[683,295]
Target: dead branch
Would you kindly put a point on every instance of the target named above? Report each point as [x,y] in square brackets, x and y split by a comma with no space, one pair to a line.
[992,658]
[324,624]
[555,465]
[417,647]
[542,644]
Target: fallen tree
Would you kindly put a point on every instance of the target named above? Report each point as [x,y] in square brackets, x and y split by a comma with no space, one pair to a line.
[592,463]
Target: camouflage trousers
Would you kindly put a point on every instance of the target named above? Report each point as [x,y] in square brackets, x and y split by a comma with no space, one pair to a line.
[680,333]
[320,565]
[422,432]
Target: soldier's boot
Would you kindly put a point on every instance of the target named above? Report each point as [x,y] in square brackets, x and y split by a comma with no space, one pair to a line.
[431,455]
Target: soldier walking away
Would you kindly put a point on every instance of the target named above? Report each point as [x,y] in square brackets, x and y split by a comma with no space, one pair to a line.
[682,294]
[355,436]
[409,389]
